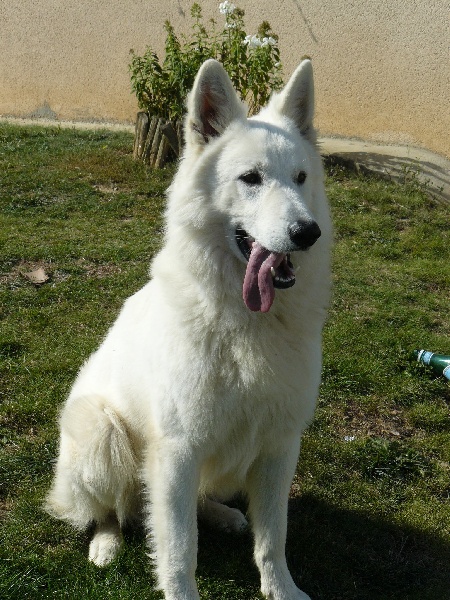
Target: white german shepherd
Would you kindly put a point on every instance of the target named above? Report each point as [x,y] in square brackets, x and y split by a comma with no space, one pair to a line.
[206,381]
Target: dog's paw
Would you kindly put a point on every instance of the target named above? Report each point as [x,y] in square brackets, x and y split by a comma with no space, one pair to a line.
[233,520]
[222,516]
[293,594]
[105,546]
[277,584]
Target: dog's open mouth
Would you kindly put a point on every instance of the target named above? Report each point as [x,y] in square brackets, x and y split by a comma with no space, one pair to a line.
[266,271]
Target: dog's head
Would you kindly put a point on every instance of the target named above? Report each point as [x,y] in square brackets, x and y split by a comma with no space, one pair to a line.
[263,174]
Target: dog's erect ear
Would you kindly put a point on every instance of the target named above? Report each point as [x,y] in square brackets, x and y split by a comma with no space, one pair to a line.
[296,100]
[212,104]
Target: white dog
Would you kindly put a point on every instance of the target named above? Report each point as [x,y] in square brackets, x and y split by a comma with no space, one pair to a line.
[205,382]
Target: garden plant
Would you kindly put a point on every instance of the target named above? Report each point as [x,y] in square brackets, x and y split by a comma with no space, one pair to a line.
[161,87]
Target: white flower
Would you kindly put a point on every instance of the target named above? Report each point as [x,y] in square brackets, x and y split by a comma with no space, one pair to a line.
[349,438]
[230,25]
[226,8]
[268,41]
[252,41]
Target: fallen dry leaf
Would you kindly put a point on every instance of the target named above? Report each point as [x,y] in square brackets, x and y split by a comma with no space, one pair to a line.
[38,276]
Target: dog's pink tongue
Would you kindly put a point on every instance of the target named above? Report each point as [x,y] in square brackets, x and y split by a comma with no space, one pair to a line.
[258,291]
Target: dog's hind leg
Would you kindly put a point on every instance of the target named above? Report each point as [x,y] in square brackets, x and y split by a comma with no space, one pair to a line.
[106,542]
[220,515]
[96,474]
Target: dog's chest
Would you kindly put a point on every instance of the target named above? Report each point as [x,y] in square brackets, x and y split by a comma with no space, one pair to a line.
[256,380]
[261,397]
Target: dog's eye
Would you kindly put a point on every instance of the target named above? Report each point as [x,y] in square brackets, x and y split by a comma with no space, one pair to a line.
[251,178]
[301,177]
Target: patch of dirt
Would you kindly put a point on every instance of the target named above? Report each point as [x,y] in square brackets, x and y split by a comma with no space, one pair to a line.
[106,189]
[42,273]
[36,273]
[5,507]
[98,270]
[389,424]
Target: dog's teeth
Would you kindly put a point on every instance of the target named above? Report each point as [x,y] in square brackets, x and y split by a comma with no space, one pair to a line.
[272,270]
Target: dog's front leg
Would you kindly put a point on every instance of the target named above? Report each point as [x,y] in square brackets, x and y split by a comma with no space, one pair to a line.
[268,490]
[173,480]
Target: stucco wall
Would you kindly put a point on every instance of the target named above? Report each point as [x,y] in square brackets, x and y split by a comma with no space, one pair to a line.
[382,67]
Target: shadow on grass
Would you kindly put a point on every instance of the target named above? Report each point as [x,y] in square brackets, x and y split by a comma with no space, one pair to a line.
[336,554]
[341,554]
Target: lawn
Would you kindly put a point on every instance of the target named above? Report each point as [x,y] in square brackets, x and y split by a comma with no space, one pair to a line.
[370,505]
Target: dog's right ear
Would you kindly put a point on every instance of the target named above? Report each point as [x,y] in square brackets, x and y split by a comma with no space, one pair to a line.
[212,104]
[296,99]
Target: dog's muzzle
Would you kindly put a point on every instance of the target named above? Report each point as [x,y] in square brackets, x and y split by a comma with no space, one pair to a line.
[283,275]
[266,269]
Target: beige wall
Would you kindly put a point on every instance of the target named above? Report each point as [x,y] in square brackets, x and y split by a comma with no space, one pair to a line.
[382,67]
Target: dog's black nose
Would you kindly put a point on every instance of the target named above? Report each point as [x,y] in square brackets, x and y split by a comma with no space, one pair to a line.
[304,233]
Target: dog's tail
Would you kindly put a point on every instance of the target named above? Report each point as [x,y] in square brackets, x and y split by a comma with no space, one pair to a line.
[96,472]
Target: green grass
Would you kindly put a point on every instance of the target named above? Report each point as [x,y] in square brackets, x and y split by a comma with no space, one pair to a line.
[370,506]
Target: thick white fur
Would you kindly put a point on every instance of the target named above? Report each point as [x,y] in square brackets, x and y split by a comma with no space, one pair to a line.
[191,394]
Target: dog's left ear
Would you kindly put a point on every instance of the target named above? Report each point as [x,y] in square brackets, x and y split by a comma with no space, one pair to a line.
[212,104]
[296,100]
